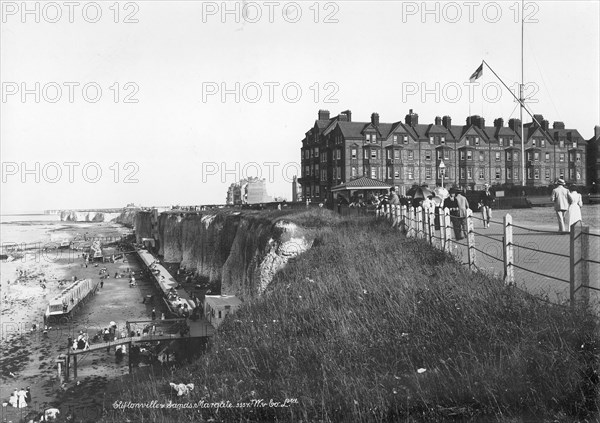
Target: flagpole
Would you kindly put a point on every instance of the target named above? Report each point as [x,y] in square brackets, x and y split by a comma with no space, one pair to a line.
[521,97]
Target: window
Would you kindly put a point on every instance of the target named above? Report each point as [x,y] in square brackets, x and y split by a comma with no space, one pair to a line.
[534,142]
[510,142]
[396,154]
[428,172]
[374,154]
[427,154]
[339,172]
[367,137]
[571,173]
[462,173]
[338,154]
[547,173]
[529,173]
[389,172]
[469,155]
[316,152]
[536,173]
[307,171]
[373,172]
[220,310]
[578,157]
[516,173]
[446,154]
[543,143]
[468,141]
[409,154]
[388,154]
[481,156]
[529,156]
[469,173]
[561,173]
[431,140]
[508,156]
[561,157]
[516,158]
[323,175]
[476,140]
[462,154]
[497,155]
[306,154]
[500,141]
[353,171]
[395,139]
[561,143]
[547,157]
[373,138]
[410,172]
[574,144]
[536,156]
[405,139]
[353,153]
[439,154]
[481,173]
[396,173]
[498,172]
[508,173]
[442,140]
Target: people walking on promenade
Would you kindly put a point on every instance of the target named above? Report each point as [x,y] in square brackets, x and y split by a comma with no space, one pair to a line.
[451,203]
[486,200]
[463,206]
[573,214]
[393,197]
[561,203]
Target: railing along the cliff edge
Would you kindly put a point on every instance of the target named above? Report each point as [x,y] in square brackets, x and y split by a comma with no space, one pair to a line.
[522,252]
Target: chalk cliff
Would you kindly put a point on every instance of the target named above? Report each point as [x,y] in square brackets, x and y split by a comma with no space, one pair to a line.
[241,250]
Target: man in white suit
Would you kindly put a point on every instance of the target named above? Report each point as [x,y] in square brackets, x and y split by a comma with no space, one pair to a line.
[561,203]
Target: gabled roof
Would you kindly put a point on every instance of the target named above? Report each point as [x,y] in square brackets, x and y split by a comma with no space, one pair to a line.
[352,129]
[361,183]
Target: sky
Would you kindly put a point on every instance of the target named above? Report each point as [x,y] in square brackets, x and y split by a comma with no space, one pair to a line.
[162,103]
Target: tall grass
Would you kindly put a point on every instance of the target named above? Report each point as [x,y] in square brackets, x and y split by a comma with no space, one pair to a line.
[370,326]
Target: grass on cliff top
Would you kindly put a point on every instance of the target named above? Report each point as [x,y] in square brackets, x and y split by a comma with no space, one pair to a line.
[371,326]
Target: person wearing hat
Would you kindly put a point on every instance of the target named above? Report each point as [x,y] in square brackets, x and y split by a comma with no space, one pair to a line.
[560,198]
[486,200]
[451,203]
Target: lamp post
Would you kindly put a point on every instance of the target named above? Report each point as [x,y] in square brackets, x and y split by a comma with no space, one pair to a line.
[442,167]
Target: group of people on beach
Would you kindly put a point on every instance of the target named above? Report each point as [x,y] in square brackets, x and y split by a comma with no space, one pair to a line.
[20,398]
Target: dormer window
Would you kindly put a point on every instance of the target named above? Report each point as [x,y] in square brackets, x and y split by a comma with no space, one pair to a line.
[500,141]
[476,140]
[510,142]
[574,144]
[373,138]
[431,140]
[405,139]
[353,153]
[534,142]
[543,143]
[442,140]
[367,137]
[395,139]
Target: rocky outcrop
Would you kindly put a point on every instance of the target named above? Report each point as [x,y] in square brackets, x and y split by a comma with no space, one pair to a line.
[125,217]
[241,251]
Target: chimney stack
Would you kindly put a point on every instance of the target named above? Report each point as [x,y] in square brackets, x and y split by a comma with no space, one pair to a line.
[447,121]
[323,114]
[499,123]
[480,122]
[514,124]
[539,118]
[558,125]
[438,121]
[597,132]
[375,119]
[411,118]
[545,125]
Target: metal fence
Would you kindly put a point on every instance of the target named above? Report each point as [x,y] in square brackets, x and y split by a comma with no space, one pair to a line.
[562,267]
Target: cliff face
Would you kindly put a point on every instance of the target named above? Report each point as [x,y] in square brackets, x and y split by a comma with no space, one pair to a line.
[126,217]
[243,252]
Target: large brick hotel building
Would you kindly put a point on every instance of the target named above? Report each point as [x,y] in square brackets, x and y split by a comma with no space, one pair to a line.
[337,150]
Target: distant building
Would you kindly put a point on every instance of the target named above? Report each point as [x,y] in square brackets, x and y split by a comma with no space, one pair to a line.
[217,307]
[248,191]
[593,158]
[296,190]
[336,150]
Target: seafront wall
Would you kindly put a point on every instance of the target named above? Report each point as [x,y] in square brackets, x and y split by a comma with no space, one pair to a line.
[241,251]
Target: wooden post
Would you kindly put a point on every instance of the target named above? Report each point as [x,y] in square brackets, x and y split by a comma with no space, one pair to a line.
[67,366]
[74,366]
[447,227]
[419,222]
[403,218]
[396,216]
[130,364]
[579,269]
[507,244]
[470,241]
[411,222]
[431,225]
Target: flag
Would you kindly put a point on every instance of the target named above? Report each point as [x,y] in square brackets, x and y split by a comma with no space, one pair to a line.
[477,74]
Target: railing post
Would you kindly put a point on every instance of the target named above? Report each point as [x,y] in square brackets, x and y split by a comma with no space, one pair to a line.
[507,244]
[470,240]
[403,218]
[579,269]
[419,223]
[396,214]
[411,222]
[431,224]
[447,228]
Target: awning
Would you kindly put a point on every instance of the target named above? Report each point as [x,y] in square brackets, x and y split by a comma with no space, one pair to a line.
[361,183]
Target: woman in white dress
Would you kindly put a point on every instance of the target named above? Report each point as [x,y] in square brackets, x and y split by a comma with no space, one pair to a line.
[22,395]
[573,214]
[14,399]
